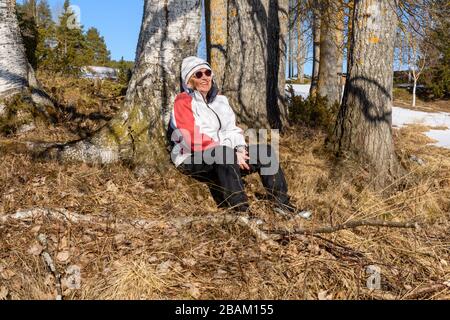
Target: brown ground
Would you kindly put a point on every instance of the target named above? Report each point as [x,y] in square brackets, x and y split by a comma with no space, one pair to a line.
[223,261]
[402,98]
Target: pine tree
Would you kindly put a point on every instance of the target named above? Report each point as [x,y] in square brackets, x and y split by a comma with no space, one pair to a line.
[26,16]
[71,43]
[29,7]
[437,43]
[44,14]
[45,54]
[125,71]
[96,52]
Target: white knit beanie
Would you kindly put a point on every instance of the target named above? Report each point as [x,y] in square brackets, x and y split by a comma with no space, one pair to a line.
[191,65]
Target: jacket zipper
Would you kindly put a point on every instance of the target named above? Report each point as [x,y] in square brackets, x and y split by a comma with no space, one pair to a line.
[220,122]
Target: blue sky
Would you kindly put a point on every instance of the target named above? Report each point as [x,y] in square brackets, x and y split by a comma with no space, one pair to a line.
[119,23]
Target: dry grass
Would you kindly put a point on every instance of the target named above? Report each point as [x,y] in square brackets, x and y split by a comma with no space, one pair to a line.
[403,98]
[226,261]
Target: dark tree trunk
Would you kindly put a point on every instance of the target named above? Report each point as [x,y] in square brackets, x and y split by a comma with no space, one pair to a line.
[364,126]
[316,48]
[217,33]
[170,31]
[331,52]
[291,35]
[255,61]
[276,67]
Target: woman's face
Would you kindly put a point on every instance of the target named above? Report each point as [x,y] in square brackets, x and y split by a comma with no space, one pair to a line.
[202,84]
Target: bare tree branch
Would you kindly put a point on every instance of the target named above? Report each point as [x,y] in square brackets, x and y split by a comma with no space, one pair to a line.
[348,225]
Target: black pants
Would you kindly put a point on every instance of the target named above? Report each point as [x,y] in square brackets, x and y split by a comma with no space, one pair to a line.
[219,169]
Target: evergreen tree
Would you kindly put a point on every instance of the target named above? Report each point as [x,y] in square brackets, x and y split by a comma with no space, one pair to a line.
[47,38]
[29,8]
[26,16]
[44,14]
[437,76]
[70,43]
[96,52]
[61,47]
[125,71]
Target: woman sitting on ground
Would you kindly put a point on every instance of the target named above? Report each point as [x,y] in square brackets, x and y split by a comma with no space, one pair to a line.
[207,144]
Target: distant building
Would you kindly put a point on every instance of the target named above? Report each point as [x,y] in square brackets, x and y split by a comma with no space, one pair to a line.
[94,72]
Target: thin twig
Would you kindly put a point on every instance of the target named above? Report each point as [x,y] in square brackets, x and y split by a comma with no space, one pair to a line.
[418,292]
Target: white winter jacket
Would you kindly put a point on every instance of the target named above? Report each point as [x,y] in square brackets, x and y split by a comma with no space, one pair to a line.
[197,124]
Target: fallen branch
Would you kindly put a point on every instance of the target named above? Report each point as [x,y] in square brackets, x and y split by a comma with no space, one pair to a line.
[75,218]
[242,221]
[144,224]
[348,225]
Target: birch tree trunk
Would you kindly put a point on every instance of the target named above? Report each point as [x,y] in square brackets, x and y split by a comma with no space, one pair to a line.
[13,62]
[300,48]
[17,76]
[316,49]
[255,61]
[217,33]
[331,53]
[364,126]
[170,31]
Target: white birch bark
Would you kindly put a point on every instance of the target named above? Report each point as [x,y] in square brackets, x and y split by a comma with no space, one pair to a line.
[170,31]
[13,61]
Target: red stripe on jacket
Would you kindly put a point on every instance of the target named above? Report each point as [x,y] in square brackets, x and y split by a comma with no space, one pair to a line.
[185,122]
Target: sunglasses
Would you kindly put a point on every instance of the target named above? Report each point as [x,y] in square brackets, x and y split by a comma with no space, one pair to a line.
[199,74]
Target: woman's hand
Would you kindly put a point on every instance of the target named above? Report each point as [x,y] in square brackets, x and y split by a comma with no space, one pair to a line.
[242,157]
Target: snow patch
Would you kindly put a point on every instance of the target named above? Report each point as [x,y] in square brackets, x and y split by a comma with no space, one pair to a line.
[401,117]
[300,89]
[441,136]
